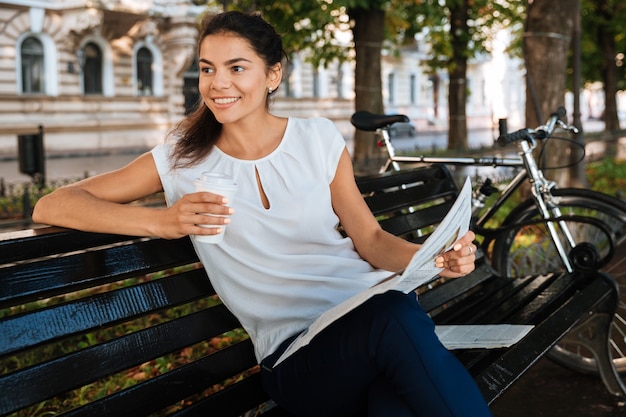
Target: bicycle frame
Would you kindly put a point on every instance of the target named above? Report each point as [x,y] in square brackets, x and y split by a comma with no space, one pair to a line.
[541,187]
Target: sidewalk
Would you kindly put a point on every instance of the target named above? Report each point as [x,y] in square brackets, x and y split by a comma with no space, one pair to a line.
[549,390]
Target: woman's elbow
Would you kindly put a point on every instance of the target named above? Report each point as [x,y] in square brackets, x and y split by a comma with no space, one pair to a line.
[40,210]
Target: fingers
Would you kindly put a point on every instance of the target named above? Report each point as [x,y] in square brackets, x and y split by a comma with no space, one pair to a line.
[460,260]
[200,213]
[466,240]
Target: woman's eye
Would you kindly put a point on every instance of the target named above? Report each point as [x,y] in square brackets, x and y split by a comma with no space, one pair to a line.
[206,70]
[237,68]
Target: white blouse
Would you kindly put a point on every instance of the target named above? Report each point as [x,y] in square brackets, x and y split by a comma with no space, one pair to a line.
[278,269]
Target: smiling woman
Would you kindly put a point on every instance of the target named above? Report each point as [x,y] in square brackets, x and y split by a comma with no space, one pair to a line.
[282,262]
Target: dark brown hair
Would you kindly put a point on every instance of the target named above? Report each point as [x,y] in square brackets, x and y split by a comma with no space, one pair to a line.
[198,132]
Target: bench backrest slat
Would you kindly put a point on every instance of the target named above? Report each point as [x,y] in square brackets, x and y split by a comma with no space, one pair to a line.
[230,402]
[30,244]
[425,173]
[409,203]
[25,282]
[104,309]
[177,385]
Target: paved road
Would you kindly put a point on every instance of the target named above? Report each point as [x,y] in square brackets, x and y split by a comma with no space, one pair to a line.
[68,168]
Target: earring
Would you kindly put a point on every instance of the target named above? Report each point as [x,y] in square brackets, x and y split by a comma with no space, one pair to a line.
[270,90]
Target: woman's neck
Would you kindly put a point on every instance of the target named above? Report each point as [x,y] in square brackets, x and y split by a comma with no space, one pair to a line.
[252,140]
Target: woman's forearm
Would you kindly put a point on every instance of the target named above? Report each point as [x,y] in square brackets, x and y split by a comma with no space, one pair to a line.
[77,208]
[386,251]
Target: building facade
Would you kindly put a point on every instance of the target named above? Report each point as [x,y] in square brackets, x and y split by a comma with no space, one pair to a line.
[107,75]
[95,74]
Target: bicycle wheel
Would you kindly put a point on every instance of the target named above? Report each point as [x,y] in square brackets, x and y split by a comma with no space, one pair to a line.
[528,250]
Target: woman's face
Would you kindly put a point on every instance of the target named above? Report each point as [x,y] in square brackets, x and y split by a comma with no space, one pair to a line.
[234,79]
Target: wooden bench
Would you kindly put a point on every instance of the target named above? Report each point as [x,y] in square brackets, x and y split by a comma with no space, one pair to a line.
[139,317]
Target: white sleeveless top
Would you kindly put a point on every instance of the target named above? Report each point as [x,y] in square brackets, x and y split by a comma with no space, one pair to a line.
[278,269]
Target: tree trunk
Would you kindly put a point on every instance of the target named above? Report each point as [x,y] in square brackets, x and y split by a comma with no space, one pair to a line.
[457,70]
[368,32]
[546,42]
[606,42]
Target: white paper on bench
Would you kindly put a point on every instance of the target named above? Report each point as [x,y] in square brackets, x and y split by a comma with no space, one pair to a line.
[421,268]
[474,336]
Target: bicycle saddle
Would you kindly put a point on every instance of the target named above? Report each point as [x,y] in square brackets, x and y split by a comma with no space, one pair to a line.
[368,121]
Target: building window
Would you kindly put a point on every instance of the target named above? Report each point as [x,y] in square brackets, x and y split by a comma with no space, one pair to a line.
[340,82]
[391,86]
[145,60]
[413,89]
[190,87]
[316,83]
[92,73]
[32,66]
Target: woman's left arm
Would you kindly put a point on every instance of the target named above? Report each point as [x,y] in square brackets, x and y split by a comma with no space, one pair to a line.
[380,248]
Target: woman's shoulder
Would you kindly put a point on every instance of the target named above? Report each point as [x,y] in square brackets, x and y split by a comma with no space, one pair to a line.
[314,129]
[313,122]
[314,136]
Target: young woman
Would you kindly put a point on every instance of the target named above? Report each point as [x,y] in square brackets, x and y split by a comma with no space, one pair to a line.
[282,262]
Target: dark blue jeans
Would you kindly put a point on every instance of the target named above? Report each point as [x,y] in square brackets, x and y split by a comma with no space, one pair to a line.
[381,359]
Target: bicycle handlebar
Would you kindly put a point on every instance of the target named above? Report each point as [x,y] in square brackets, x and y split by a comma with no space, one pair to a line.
[542,132]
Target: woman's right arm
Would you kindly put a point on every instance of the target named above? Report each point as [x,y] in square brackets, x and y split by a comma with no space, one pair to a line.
[99,204]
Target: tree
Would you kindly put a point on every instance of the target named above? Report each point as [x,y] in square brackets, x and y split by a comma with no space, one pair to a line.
[457,71]
[545,55]
[458,30]
[368,32]
[603,45]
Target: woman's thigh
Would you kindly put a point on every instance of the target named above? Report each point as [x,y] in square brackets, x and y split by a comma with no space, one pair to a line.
[389,338]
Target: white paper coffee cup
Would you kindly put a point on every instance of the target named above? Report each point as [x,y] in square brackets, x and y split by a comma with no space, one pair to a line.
[220,184]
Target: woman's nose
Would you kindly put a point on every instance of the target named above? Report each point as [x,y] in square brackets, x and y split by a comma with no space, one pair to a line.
[221,79]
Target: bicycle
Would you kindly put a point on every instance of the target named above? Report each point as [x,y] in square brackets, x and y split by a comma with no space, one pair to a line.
[555,229]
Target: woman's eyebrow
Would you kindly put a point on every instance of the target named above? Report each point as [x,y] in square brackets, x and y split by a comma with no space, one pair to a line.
[229,62]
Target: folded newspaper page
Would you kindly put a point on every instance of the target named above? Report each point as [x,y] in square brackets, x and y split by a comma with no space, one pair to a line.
[421,268]
[488,336]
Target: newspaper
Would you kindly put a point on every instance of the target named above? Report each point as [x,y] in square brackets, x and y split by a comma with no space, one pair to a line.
[421,268]
[489,336]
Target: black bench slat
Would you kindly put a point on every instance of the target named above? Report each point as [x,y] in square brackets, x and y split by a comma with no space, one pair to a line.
[404,223]
[418,195]
[411,210]
[23,283]
[34,328]
[232,401]
[36,243]
[496,300]
[529,304]
[454,289]
[85,366]
[377,182]
[176,385]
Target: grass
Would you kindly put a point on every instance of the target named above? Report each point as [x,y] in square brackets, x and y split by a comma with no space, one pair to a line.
[608,176]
